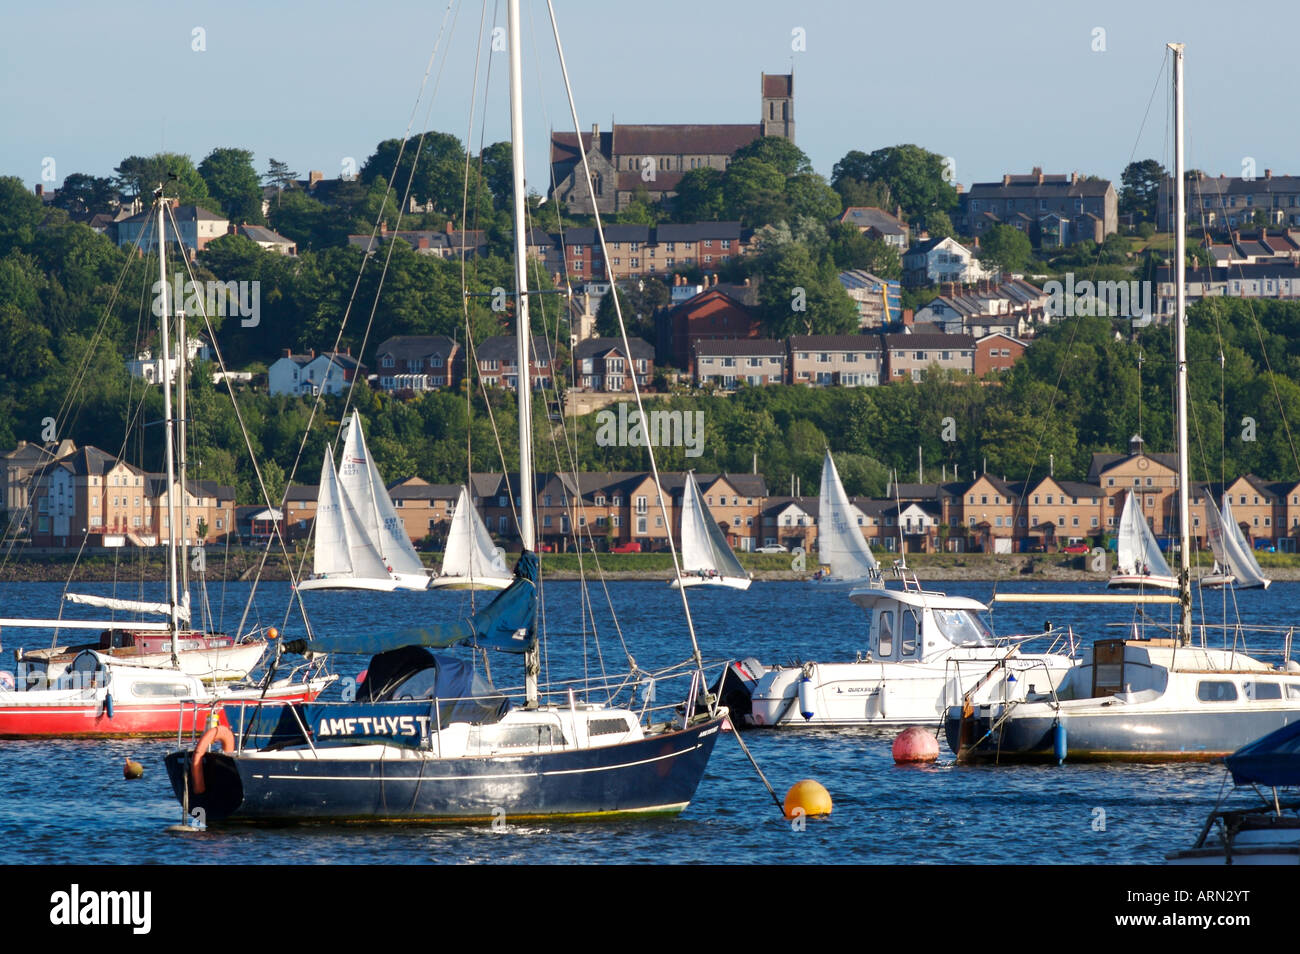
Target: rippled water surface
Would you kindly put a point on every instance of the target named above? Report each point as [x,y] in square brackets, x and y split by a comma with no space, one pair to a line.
[65,802]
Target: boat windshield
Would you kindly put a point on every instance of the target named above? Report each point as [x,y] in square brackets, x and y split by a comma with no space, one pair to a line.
[962,628]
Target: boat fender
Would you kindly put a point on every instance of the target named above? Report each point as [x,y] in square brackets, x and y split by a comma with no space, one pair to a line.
[219,733]
[1058,743]
[108,704]
[806,695]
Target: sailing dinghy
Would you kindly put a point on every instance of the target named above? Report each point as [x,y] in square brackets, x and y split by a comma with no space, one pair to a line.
[471,561]
[707,560]
[840,544]
[1139,562]
[1234,562]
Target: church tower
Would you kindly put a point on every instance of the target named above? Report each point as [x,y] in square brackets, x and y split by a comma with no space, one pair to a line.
[778,105]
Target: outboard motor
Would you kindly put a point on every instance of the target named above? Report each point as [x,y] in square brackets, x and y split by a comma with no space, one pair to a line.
[735,687]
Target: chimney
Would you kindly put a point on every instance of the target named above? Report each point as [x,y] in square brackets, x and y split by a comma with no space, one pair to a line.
[422,242]
[1268,173]
[908,317]
[1006,178]
[595,135]
[1074,178]
[448,228]
[287,353]
[311,352]
[314,177]
[40,189]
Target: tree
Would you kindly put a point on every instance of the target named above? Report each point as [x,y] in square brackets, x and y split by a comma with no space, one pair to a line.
[799,296]
[699,196]
[1006,248]
[86,193]
[850,248]
[140,175]
[777,152]
[1140,186]
[498,173]
[918,180]
[233,182]
[279,174]
[807,195]
[939,225]
[754,192]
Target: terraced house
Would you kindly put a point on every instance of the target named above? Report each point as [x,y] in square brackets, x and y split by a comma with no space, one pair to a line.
[419,363]
[826,360]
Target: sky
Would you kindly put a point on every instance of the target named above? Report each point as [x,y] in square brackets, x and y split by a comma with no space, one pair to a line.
[997,86]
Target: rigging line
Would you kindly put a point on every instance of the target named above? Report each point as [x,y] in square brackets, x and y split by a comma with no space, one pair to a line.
[65,416]
[570,443]
[1164,65]
[276,528]
[622,327]
[379,218]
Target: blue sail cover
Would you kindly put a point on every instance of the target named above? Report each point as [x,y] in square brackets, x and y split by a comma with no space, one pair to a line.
[507,624]
[1273,760]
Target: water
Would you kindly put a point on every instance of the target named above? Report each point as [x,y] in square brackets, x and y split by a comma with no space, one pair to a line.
[66,802]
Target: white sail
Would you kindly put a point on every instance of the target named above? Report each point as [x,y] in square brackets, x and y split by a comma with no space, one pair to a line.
[365,491]
[342,547]
[703,545]
[840,544]
[1136,548]
[470,553]
[1237,556]
[129,606]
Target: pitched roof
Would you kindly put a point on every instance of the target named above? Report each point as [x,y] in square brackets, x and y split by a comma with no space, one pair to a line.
[908,342]
[406,347]
[598,347]
[503,348]
[834,343]
[868,216]
[747,346]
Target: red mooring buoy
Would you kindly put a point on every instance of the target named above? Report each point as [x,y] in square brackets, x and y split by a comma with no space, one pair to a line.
[915,744]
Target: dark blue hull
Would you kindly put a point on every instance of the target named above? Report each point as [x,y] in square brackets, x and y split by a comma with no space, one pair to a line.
[657,775]
[1119,735]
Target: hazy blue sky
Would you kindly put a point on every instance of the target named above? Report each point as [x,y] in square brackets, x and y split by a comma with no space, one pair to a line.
[1000,87]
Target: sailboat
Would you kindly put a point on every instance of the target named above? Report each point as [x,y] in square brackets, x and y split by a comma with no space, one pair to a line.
[143,678]
[173,643]
[470,562]
[707,560]
[360,541]
[1234,562]
[1136,698]
[840,544]
[427,737]
[1139,562]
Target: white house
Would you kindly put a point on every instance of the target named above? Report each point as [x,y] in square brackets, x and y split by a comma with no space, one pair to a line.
[934,261]
[197,227]
[312,373]
[146,366]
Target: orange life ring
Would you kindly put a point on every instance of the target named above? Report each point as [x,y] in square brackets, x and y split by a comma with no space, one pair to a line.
[216,732]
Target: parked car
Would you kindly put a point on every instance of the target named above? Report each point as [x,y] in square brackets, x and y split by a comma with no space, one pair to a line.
[1076,548]
[773,548]
[631,546]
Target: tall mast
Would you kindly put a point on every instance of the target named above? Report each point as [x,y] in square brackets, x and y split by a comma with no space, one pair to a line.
[1180,358]
[182,556]
[523,380]
[169,451]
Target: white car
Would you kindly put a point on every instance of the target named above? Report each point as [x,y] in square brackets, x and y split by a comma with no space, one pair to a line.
[773,548]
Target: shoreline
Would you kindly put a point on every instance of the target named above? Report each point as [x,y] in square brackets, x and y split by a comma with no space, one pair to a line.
[240,566]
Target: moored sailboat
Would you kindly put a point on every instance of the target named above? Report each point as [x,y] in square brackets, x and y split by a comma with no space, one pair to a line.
[427,740]
[1145,699]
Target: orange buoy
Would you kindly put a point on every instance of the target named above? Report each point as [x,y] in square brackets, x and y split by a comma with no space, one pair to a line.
[807,797]
[272,633]
[132,769]
[915,744]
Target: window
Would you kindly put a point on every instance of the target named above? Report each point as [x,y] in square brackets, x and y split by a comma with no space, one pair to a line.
[1216,691]
[1261,691]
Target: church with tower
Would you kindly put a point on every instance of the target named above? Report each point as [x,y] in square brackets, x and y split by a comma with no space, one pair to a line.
[649,160]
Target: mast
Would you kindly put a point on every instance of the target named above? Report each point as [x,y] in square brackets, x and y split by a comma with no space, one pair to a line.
[182,555]
[523,380]
[1180,358]
[173,608]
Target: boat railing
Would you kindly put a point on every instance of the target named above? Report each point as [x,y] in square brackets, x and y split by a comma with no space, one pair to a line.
[610,691]
[1231,636]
